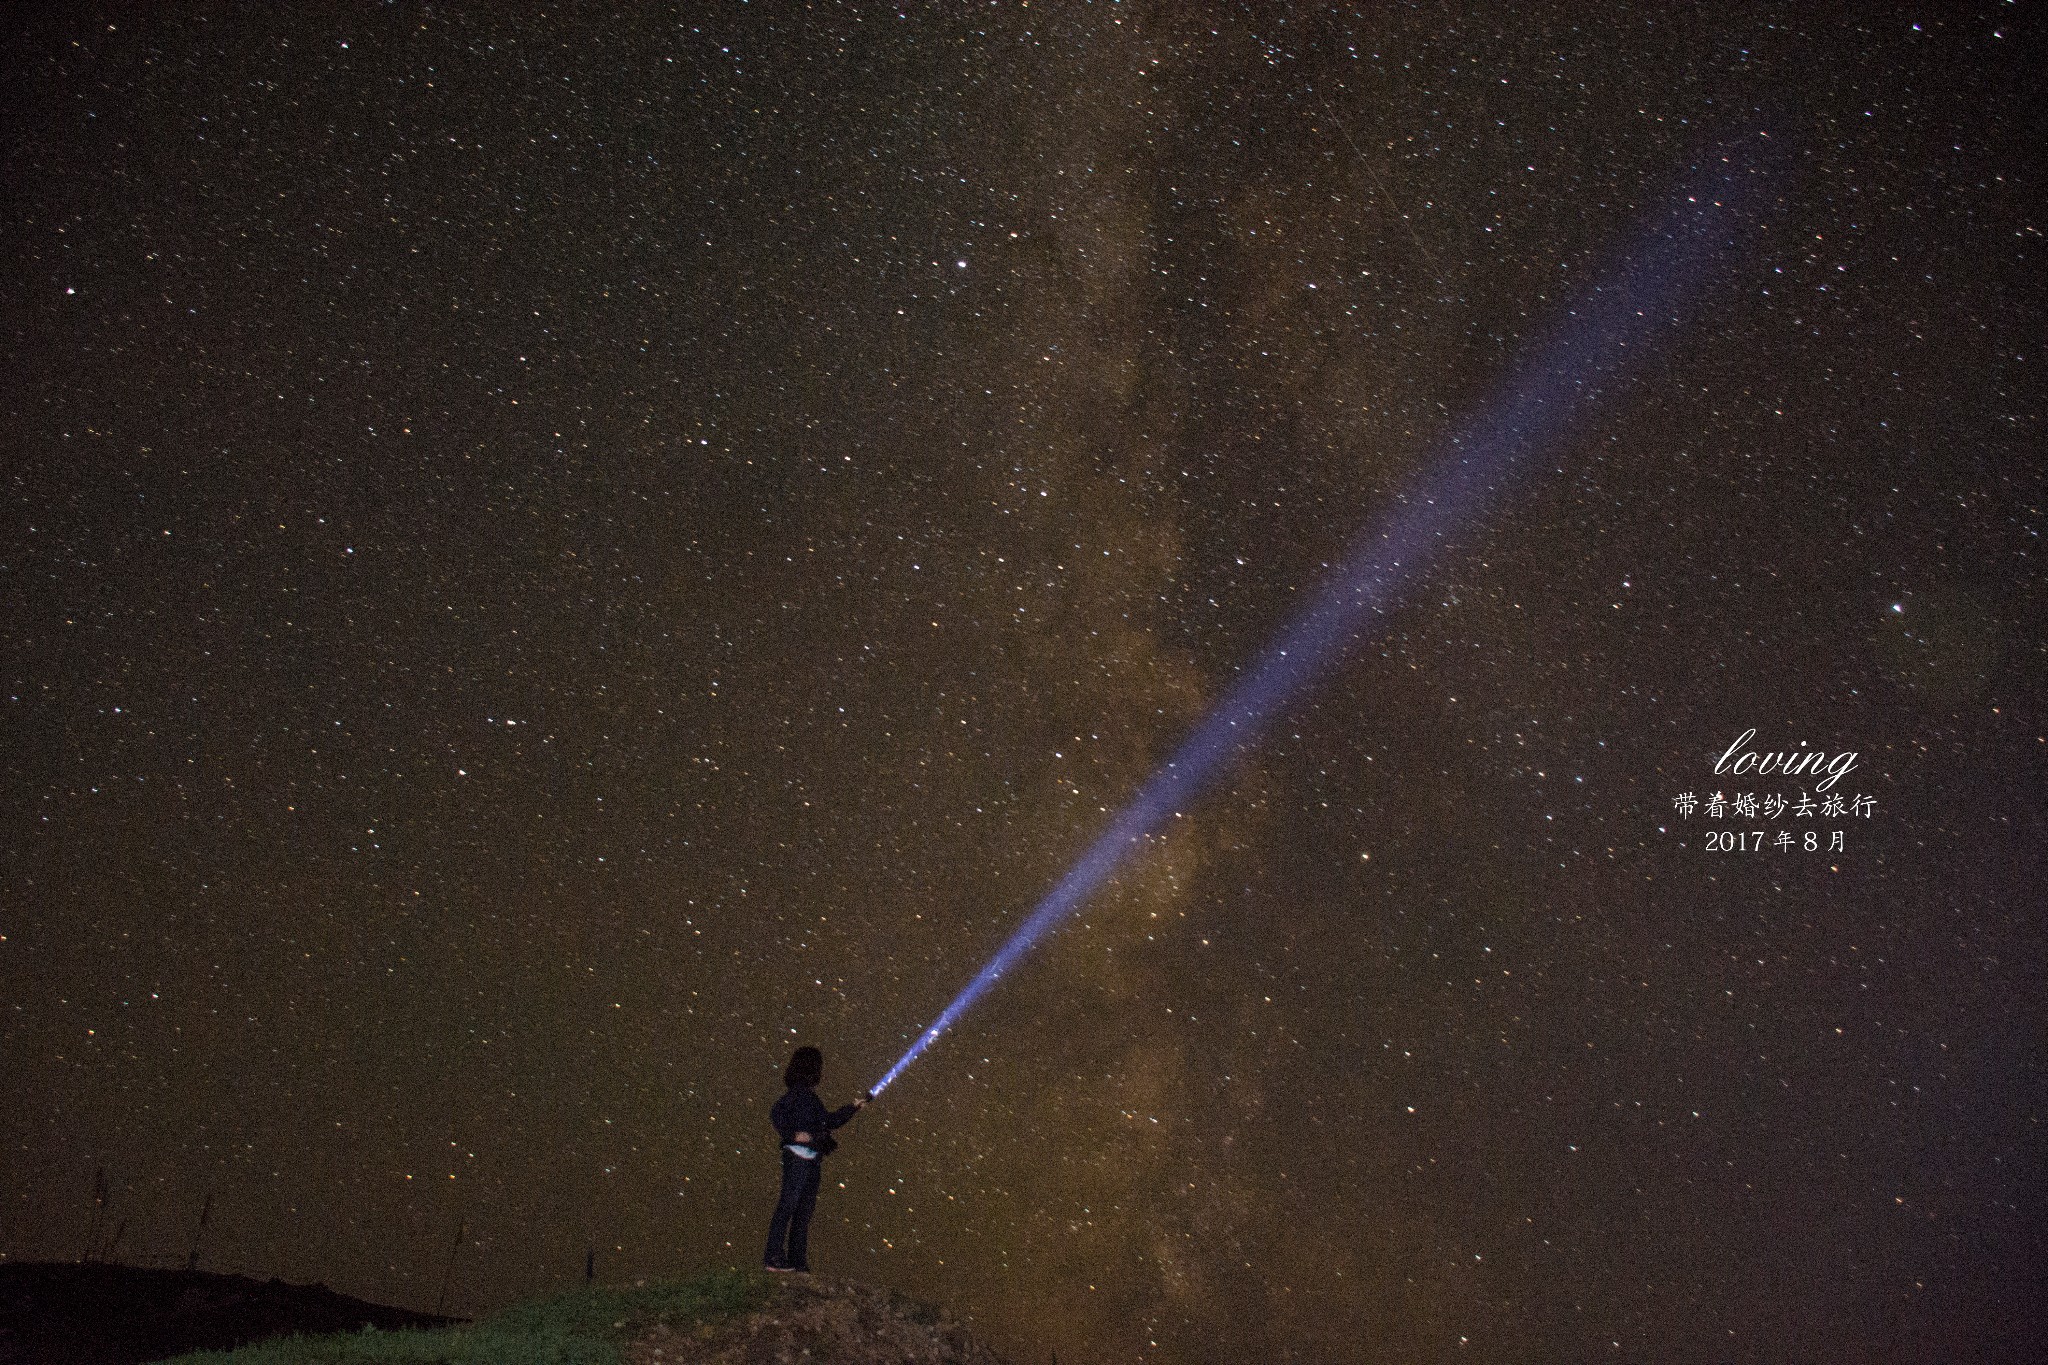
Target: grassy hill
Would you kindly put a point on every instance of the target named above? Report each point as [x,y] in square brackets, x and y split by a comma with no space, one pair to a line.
[719,1318]
[582,1327]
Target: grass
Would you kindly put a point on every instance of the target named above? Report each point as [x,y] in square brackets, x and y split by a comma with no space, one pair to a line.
[582,1327]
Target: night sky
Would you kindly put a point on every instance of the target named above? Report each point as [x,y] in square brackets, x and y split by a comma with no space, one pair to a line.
[551,556]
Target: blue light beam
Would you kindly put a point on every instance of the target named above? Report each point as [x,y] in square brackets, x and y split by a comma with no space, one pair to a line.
[1602,337]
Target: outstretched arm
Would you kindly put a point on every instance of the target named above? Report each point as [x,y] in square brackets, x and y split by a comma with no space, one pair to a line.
[843,1115]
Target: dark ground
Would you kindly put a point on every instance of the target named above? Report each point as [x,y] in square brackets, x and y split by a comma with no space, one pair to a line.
[62,1314]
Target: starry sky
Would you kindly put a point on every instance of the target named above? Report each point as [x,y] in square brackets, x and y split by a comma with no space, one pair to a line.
[551,555]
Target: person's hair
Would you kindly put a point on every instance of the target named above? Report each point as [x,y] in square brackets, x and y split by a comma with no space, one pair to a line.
[806,1067]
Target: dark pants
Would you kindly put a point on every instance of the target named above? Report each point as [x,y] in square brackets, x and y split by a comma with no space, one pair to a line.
[789,1231]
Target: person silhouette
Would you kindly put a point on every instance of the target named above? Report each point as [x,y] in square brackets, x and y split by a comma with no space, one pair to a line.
[803,1131]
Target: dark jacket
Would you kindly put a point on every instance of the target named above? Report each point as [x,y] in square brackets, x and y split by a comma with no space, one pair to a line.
[801,1111]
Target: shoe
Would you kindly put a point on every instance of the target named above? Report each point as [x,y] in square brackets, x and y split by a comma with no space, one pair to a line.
[778,1269]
